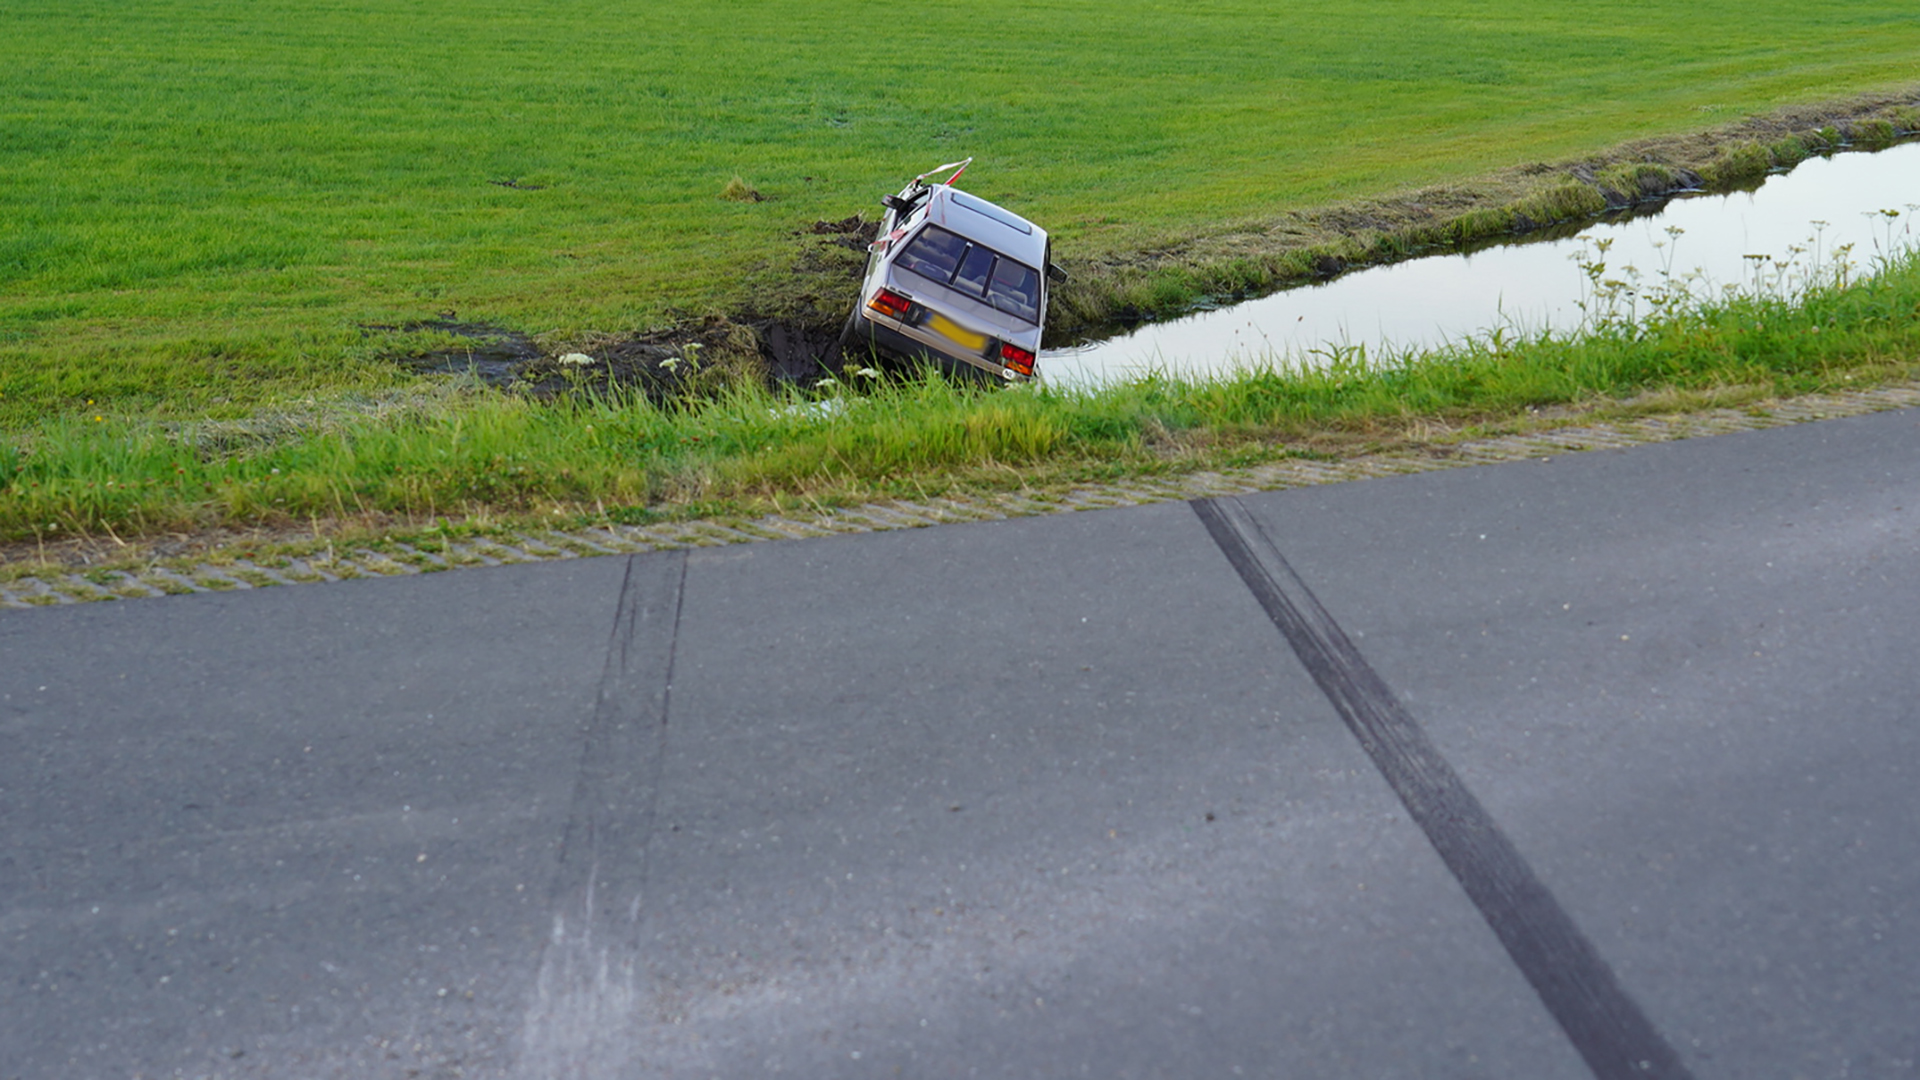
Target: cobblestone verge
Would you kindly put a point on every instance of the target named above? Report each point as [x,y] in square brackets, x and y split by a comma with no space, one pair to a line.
[71,587]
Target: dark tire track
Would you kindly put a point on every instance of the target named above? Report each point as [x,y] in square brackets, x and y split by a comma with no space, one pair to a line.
[579,1018]
[1604,1023]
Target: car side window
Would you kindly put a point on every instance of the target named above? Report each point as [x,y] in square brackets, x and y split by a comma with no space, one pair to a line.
[1015,289]
[934,253]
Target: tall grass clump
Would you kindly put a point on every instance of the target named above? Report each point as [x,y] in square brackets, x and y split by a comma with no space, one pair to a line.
[919,427]
[494,454]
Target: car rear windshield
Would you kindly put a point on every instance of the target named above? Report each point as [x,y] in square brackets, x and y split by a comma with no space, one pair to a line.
[959,263]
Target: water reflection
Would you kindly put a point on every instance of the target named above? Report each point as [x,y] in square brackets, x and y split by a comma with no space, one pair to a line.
[1823,206]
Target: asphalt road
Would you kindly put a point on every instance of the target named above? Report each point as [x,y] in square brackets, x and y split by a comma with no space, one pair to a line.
[1599,765]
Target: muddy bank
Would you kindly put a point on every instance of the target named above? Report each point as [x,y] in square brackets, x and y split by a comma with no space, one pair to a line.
[794,345]
[493,354]
[662,363]
[792,338]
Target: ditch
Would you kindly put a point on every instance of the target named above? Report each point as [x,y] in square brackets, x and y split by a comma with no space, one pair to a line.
[1851,209]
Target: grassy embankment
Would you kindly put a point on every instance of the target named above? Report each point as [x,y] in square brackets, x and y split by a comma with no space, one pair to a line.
[744,448]
[207,205]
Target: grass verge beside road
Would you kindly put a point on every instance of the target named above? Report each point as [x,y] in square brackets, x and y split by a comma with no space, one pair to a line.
[476,455]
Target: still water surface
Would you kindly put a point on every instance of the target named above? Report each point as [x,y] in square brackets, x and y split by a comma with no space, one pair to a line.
[1821,206]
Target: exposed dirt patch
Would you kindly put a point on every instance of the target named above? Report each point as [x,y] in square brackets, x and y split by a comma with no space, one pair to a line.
[854,232]
[797,346]
[493,354]
[661,363]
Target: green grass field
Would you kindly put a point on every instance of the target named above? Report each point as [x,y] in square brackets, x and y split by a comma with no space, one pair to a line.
[204,205]
[202,201]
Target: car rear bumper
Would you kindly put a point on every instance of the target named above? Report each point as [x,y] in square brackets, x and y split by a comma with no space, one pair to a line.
[886,340]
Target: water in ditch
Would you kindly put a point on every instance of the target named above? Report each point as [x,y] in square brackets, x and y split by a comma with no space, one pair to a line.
[1856,207]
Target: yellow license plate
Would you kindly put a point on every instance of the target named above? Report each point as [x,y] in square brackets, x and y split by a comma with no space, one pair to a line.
[956,333]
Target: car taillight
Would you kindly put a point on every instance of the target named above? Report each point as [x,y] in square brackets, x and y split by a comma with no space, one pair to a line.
[888,302]
[1017,358]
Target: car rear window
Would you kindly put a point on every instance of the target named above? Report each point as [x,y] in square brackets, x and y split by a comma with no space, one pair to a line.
[971,268]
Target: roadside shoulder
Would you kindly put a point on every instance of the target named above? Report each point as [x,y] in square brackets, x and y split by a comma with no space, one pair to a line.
[47,581]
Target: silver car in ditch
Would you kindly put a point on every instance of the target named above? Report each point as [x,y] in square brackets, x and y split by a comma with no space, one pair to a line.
[953,279]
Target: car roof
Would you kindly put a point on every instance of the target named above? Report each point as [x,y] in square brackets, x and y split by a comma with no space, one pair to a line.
[995,226]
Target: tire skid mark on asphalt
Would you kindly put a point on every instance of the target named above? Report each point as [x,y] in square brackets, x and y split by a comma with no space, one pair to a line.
[1573,980]
[580,1017]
